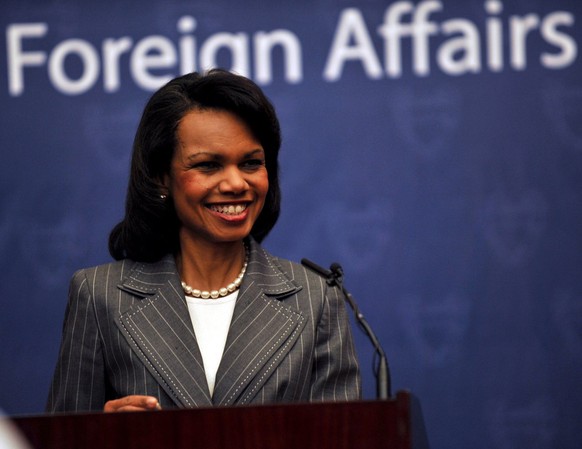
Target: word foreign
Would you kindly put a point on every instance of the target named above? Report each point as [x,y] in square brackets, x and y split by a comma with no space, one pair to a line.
[408,32]
[147,57]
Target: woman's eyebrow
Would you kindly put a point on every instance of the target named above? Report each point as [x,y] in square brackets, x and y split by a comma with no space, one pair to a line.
[218,156]
[203,153]
[254,152]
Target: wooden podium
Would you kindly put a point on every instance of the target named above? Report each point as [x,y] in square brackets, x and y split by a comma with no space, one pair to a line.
[391,424]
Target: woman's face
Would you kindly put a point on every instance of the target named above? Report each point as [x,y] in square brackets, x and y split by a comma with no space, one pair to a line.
[217,180]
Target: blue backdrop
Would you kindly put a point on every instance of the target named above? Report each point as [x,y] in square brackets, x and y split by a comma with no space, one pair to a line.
[433,148]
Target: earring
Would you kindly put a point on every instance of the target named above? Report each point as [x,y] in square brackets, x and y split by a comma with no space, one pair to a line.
[163,197]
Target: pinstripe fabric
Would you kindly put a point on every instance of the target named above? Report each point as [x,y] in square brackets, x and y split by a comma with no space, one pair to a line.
[127,331]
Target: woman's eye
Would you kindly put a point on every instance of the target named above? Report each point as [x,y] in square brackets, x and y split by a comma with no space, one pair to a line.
[205,166]
[254,163]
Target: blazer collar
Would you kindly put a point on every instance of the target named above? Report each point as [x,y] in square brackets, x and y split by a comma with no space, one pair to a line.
[263,329]
[146,279]
[266,274]
[159,330]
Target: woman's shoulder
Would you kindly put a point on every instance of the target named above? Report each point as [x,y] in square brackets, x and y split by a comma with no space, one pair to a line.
[296,272]
[115,272]
[114,268]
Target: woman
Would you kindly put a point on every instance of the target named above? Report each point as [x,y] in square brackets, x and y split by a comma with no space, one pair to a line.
[195,312]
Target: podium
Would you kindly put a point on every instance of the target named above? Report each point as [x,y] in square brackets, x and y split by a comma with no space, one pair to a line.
[391,424]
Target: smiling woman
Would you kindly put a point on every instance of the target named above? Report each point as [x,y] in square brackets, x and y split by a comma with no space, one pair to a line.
[218,179]
[195,312]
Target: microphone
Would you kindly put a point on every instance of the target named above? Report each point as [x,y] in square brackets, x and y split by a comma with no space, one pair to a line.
[319,270]
[334,276]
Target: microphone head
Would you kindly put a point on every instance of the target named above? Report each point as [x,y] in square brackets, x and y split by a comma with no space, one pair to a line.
[336,268]
[313,266]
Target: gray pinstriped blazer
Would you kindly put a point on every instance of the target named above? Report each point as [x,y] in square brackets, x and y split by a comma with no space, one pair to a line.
[127,331]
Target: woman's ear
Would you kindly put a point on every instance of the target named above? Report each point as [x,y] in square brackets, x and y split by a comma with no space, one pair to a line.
[163,186]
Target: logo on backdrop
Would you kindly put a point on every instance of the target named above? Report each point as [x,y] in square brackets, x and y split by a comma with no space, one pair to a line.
[530,424]
[567,318]
[426,120]
[436,326]
[48,242]
[412,38]
[8,202]
[563,107]
[106,132]
[513,224]
[365,229]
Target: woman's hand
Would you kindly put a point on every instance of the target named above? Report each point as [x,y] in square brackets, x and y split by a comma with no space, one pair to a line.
[133,403]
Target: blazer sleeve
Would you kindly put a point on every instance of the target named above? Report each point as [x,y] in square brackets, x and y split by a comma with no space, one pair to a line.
[79,381]
[336,373]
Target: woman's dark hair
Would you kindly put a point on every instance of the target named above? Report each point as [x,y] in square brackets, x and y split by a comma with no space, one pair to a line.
[149,229]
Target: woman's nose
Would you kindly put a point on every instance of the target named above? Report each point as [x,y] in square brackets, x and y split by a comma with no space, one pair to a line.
[233,181]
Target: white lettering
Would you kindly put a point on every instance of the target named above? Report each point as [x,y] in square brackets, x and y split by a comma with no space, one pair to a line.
[421,30]
[112,50]
[153,52]
[90,64]
[456,46]
[18,59]
[238,45]
[519,29]
[467,45]
[352,27]
[264,43]
[494,36]
[567,45]
[392,30]
[187,24]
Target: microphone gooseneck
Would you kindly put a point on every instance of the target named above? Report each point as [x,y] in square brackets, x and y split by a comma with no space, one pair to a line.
[334,276]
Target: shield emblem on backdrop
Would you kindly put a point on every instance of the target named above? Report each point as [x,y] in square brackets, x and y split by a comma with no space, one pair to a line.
[8,204]
[563,107]
[513,224]
[428,120]
[436,325]
[52,249]
[109,132]
[361,231]
[567,319]
[522,424]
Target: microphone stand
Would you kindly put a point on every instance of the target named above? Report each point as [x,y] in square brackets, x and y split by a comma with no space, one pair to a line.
[334,276]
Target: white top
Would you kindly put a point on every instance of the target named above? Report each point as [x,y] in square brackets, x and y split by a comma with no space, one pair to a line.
[211,320]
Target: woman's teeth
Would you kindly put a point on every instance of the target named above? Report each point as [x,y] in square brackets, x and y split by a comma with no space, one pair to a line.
[229,209]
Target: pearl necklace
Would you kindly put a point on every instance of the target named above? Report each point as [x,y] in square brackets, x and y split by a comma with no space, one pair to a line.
[221,292]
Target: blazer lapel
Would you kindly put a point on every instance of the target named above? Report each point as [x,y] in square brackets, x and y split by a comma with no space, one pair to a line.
[262,331]
[159,330]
